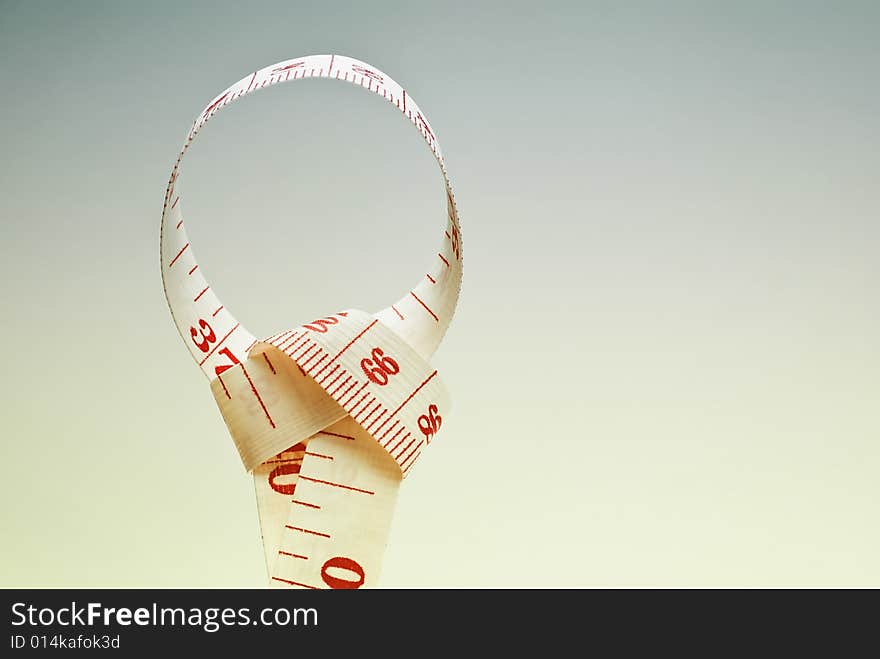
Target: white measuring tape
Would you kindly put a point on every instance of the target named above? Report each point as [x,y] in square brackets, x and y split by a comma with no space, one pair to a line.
[331,415]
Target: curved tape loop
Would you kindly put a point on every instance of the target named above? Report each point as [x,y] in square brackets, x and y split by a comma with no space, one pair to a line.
[213,335]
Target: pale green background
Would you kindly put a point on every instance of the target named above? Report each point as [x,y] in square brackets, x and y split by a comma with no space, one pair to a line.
[665,361]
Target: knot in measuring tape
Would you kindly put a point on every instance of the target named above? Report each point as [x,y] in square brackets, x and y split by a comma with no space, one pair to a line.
[345,364]
[331,415]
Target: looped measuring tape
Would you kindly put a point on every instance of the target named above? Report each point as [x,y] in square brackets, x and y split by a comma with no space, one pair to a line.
[329,416]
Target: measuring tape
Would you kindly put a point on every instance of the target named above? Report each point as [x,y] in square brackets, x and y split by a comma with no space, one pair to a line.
[329,416]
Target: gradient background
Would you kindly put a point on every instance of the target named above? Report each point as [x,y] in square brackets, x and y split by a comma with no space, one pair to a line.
[665,360]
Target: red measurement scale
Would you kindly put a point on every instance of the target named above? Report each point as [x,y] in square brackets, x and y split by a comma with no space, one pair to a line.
[332,415]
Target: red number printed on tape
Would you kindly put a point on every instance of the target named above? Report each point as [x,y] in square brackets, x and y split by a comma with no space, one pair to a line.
[289,467]
[321,325]
[225,367]
[430,423]
[207,339]
[348,567]
[379,367]
[286,469]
